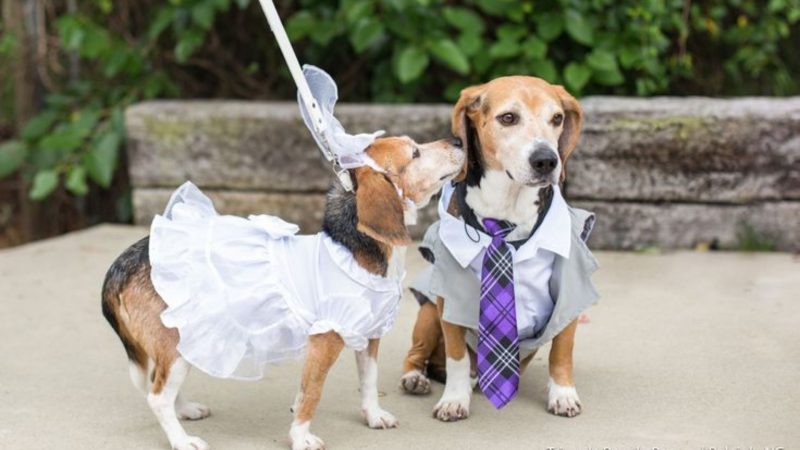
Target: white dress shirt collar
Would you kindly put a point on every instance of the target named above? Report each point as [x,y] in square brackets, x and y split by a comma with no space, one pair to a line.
[465,243]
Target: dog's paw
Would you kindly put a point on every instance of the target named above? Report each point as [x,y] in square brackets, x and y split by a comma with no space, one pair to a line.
[302,439]
[380,419]
[193,411]
[451,410]
[191,443]
[308,442]
[415,382]
[563,400]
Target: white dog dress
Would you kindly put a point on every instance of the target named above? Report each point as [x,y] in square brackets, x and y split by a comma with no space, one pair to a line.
[245,293]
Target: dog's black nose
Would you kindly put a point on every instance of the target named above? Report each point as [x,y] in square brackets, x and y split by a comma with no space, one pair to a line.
[457,142]
[543,161]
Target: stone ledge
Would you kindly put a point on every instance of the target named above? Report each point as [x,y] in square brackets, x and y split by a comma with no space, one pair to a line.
[632,226]
[252,145]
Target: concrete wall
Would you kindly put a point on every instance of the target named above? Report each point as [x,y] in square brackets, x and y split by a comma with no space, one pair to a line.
[663,172]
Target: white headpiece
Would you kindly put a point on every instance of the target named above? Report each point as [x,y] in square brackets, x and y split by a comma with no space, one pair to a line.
[348,149]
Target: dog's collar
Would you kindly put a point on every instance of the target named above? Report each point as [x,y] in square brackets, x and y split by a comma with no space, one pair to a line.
[469,217]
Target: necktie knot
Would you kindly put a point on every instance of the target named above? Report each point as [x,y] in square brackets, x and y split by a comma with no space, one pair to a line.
[498,228]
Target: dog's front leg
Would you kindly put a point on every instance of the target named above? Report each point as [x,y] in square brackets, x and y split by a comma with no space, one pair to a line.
[454,404]
[323,350]
[367,361]
[562,397]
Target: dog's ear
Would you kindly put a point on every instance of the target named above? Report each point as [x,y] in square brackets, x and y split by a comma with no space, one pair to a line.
[379,208]
[468,101]
[573,119]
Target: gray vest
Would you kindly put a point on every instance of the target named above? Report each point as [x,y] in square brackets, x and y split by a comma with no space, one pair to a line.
[570,285]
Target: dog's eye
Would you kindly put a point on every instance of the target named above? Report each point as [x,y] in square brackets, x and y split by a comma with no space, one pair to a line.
[508,119]
[416,153]
[557,119]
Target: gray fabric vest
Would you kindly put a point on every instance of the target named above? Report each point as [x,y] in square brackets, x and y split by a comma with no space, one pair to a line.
[570,285]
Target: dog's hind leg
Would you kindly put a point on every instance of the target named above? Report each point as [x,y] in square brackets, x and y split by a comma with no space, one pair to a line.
[323,350]
[138,376]
[168,376]
[562,397]
[367,361]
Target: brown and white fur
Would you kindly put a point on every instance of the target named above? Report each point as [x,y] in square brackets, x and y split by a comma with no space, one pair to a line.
[371,223]
[519,132]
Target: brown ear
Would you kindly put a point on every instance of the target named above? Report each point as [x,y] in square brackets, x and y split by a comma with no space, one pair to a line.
[469,100]
[573,119]
[379,209]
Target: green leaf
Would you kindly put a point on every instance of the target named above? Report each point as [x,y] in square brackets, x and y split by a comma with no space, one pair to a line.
[470,44]
[576,76]
[189,42]
[12,156]
[510,32]
[86,121]
[504,49]
[451,55]
[242,4]
[101,159]
[38,125]
[608,77]
[76,181]
[534,48]
[463,19]
[600,59]
[300,25]
[203,15]
[578,27]
[496,7]
[549,26]
[116,61]
[628,56]
[160,23]
[44,183]
[63,140]
[545,69]
[411,62]
[366,34]
[355,10]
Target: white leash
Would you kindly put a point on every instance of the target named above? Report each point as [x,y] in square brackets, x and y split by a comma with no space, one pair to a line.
[305,92]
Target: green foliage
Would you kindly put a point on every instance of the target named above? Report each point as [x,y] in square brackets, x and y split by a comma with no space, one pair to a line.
[386,51]
[599,46]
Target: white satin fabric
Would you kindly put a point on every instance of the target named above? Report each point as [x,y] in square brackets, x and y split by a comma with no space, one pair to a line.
[245,293]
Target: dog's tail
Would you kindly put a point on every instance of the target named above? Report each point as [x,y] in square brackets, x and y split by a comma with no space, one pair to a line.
[132,263]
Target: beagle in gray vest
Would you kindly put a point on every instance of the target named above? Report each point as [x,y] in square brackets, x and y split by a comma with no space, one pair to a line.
[518,132]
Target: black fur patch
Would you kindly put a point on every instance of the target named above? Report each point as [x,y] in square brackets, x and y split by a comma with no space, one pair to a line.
[341,222]
[124,269]
[474,156]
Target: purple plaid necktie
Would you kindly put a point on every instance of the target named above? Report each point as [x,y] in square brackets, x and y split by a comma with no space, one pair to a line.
[498,343]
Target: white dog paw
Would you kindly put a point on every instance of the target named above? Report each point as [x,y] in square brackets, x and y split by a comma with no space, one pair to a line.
[302,439]
[309,442]
[451,410]
[563,400]
[381,419]
[193,411]
[415,383]
[191,443]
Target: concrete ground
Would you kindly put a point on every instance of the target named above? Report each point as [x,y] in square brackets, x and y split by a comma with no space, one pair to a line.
[685,350]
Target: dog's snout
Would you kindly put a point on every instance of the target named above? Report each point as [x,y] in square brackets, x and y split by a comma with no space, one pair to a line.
[543,161]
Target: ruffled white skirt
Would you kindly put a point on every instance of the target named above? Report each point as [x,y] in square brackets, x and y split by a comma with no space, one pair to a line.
[246,293]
